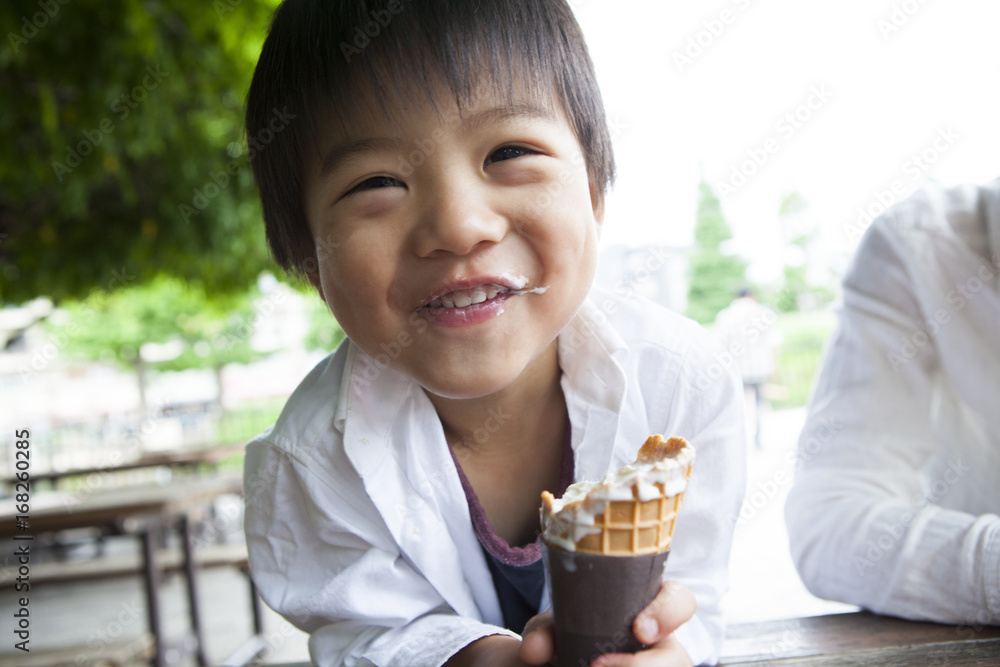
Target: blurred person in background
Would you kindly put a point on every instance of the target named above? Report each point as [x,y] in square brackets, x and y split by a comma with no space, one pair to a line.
[748,332]
[897,489]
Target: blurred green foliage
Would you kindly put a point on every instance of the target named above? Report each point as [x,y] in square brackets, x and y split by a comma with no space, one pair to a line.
[804,336]
[802,237]
[193,329]
[248,420]
[715,275]
[112,325]
[324,333]
[118,115]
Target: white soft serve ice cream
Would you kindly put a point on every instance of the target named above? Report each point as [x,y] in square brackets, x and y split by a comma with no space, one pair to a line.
[660,471]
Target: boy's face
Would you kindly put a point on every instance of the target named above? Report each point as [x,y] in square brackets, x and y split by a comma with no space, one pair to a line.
[456,246]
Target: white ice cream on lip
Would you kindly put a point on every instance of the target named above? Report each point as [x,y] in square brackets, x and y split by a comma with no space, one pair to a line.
[567,519]
[517,284]
[533,290]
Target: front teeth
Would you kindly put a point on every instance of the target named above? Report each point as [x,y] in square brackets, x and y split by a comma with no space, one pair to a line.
[463,298]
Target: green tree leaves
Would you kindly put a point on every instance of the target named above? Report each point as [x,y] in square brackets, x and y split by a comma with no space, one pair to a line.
[715,275]
[119,113]
[163,323]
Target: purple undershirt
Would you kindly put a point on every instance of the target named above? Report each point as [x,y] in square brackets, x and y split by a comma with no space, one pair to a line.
[518,575]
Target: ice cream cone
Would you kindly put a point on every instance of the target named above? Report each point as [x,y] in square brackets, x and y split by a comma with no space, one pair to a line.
[606,544]
[632,512]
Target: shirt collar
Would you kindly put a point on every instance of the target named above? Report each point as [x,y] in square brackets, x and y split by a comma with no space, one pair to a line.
[371,393]
[592,355]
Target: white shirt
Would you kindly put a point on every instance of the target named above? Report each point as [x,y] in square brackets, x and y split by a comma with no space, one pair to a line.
[894,506]
[358,528]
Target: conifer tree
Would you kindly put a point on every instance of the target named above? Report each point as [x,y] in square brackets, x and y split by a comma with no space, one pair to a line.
[716,275]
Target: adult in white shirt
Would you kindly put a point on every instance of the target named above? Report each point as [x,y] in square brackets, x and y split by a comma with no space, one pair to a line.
[747,331]
[897,490]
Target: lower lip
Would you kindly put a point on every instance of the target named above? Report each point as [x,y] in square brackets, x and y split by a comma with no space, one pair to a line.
[467,316]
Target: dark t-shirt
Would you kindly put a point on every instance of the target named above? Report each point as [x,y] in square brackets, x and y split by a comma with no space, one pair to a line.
[518,572]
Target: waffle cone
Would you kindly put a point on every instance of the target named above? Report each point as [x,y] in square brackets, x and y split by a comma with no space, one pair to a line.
[633,527]
[624,527]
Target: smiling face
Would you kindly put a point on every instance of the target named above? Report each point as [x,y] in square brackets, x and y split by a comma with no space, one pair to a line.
[457,243]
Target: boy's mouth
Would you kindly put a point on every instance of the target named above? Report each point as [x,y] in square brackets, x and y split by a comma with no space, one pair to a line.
[468,302]
[461,298]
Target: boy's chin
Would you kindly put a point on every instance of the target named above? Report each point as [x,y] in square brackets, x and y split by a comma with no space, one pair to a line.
[463,391]
[469,385]
[489,377]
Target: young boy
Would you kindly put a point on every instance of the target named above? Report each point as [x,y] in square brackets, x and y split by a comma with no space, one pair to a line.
[441,184]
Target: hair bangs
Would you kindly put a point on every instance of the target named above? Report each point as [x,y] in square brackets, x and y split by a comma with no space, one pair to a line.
[449,48]
[335,64]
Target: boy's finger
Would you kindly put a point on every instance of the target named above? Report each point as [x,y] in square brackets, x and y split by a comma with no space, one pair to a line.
[669,652]
[538,621]
[673,606]
[539,644]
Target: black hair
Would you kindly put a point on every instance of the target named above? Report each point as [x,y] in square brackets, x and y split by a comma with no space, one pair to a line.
[326,64]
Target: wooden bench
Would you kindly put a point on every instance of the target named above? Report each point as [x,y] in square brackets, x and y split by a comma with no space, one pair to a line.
[123,565]
[170,561]
[859,638]
[146,512]
[181,460]
[119,654]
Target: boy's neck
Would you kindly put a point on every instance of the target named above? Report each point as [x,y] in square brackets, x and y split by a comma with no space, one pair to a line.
[510,446]
[515,417]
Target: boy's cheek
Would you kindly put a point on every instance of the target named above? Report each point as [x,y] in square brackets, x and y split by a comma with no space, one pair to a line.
[418,323]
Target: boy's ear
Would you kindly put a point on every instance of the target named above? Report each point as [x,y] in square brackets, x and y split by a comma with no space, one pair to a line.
[312,273]
[597,203]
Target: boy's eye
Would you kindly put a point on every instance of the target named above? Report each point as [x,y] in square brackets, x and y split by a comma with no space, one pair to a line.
[508,153]
[373,183]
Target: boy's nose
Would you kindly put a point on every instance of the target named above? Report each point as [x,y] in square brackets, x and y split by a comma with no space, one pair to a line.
[457,221]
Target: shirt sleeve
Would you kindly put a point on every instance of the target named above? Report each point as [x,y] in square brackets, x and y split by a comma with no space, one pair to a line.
[708,412]
[863,523]
[324,560]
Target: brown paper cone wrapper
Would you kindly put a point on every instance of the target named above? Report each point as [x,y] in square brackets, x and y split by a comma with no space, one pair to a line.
[595,599]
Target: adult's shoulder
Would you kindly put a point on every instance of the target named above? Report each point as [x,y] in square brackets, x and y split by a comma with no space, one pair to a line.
[934,221]
[967,213]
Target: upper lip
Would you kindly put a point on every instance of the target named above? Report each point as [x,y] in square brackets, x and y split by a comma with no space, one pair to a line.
[465,284]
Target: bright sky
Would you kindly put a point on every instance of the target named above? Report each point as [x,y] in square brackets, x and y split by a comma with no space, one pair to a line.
[886,80]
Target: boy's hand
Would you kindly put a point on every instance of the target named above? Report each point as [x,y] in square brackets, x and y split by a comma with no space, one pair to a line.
[673,607]
[538,645]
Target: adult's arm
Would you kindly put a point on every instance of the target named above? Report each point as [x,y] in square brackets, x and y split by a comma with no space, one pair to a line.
[864,520]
